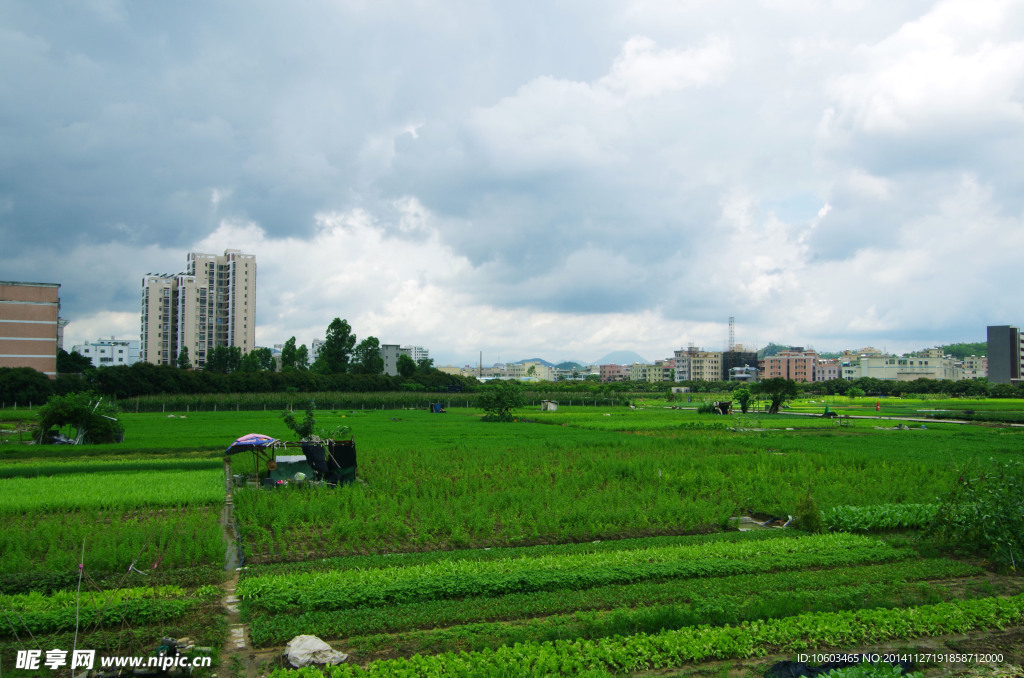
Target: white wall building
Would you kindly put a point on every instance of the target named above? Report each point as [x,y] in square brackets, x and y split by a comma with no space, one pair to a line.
[904,368]
[693,364]
[390,353]
[110,352]
[417,353]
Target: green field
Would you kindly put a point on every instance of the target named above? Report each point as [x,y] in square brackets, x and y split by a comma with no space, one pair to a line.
[590,538]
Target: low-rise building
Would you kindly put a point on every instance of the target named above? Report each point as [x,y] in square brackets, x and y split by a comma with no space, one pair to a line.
[694,364]
[110,352]
[529,370]
[745,374]
[827,370]
[975,367]
[612,373]
[797,365]
[661,370]
[737,356]
[904,368]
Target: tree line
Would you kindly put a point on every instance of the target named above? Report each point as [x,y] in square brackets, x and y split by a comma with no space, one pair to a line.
[342,364]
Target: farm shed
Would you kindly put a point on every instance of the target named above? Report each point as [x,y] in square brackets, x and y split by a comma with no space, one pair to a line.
[290,464]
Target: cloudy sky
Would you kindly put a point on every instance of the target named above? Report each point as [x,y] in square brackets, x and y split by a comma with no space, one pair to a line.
[539,178]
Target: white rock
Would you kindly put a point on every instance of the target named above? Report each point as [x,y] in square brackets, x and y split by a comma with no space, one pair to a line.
[306,650]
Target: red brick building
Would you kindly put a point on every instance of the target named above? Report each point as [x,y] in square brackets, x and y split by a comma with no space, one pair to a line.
[797,365]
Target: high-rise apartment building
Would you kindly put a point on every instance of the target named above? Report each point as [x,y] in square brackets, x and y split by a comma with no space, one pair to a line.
[29,325]
[1005,354]
[213,303]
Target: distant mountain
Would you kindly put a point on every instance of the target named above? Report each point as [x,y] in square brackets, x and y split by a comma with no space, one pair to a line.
[621,358]
[570,365]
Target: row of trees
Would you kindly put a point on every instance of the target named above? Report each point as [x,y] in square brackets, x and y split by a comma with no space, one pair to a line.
[24,385]
[339,354]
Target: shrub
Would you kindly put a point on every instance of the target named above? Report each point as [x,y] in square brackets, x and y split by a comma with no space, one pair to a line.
[985,512]
[808,517]
[87,412]
[500,399]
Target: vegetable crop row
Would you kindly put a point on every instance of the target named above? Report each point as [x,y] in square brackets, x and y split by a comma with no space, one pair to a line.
[42,602]
[693,644]
[274,628]
[711,609]
[134,612]
[878,517]
[55,468]
[111,491]
[393,560]
[355,588]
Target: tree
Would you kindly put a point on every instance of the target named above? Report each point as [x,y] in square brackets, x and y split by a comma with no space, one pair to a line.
[288,355]
[223,359]
[258,360]
[183,362]
[500,399]
[854,392]
[72,363]
[23,385]
[406,366]
[308,430]
[743,396]
[302,358]
[336,352]
[777,390]
[85,411]
[964,349]
[367,358]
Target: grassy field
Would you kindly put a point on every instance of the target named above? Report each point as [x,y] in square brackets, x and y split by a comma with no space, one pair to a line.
[590,538]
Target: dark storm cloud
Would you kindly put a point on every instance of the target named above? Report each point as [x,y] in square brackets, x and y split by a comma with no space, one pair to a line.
[660,165]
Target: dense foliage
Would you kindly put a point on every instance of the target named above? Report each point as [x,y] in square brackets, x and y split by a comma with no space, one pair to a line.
[91,418]
[499,399]
[23,385]
[145,379]
[985,511]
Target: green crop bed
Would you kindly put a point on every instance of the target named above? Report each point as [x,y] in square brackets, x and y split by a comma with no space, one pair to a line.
[450,481]
[586,539]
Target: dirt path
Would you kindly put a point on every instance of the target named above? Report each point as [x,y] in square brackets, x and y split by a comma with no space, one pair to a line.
[238,659]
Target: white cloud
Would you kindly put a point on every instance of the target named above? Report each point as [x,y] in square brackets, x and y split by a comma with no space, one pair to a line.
[952,67]
[642,70]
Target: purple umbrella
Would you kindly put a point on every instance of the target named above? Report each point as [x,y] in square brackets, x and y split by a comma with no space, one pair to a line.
[250,441]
